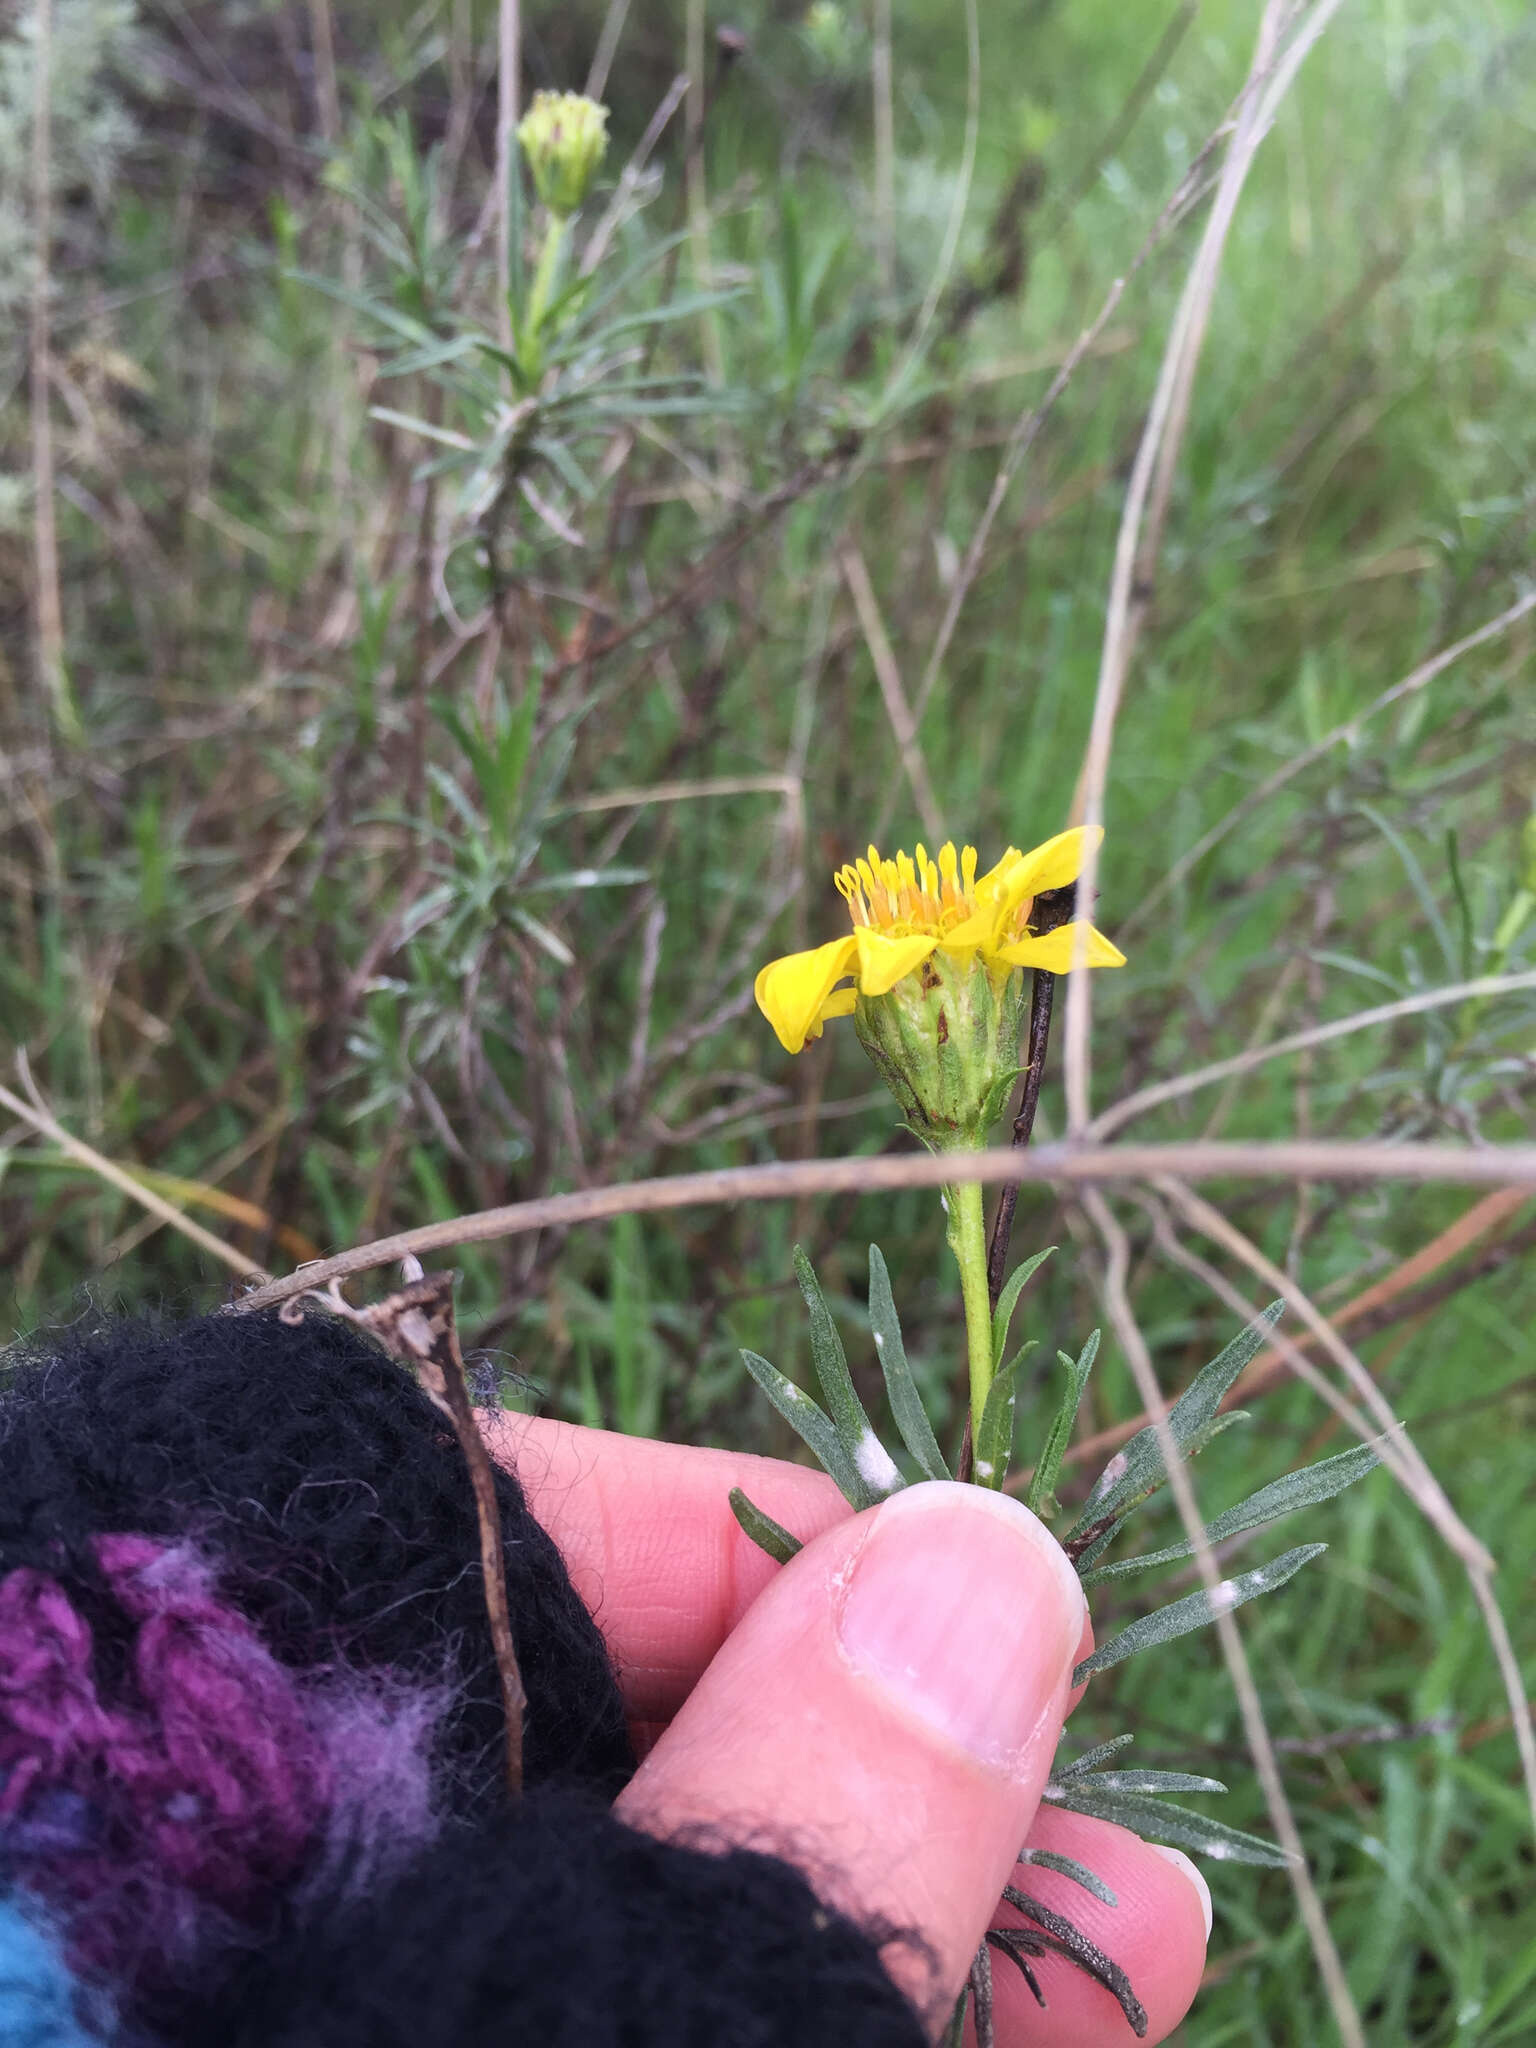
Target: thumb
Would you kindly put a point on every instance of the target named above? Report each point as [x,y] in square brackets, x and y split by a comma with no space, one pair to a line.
[884,1716]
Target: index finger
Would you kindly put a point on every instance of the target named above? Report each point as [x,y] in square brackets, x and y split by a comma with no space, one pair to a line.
[651,1544]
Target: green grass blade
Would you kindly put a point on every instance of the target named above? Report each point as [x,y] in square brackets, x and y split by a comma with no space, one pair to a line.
[1304,1489]
[1008,1300]
[1195,1610]
[869,1458]
[901,1390]
[765,1532]
[1041,1499]
[811,1424]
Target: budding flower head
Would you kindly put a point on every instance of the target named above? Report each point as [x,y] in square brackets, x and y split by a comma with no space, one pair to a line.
[936,958]
[564,136]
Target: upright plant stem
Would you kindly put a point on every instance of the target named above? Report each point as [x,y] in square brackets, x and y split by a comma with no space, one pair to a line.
[509,37]
[546,273]
[968,1242]
[48,606]
[885,146]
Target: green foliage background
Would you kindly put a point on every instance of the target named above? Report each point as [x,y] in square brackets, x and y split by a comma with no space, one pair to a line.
[348,908]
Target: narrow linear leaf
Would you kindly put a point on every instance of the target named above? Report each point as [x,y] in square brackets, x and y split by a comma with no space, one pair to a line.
[906,1403]
[1155,1782]
[1304,1489]
[1086,1555]
[868,1456]
[1195,1610]
[812,1425]
[1008,1300]
[1138,1467]
[1062,1937]
[994,1433]
[765,1532]
[1160,1821]
[1041,1499]
[388,417]
[1066,1866]
[1091,1759]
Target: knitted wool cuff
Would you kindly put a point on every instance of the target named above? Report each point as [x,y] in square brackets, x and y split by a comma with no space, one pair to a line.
[250,1740]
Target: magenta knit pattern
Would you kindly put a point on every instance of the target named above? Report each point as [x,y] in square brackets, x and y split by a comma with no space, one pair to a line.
[182,1791]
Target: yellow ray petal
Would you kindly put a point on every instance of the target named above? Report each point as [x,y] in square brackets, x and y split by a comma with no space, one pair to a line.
[973,933]
[793,993]
[1056,951]
[883,961]
[841,1003]
[1048,866]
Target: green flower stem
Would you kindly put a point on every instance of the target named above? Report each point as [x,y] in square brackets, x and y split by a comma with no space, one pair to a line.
[968,1242]
[540,293]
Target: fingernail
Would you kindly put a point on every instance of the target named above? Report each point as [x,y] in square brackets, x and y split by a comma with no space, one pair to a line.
[963,1608]
[1181,1862]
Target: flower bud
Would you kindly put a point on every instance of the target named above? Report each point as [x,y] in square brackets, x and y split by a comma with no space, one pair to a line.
[564,136]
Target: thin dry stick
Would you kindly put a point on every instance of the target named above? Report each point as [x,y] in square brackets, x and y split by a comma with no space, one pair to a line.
[1065,1164]
[49,610]
[607,48]
[1261,1748]
[897,709]
[416,1324]
[1130,584]
[697,193]
[885,145]
[1427,1492]
[629,177]
[1186,194]
[327,91]
[938,284]
[1347,734]
[38,1117]
[1121,1113]
[1470,1227]
[681,792]
[509,36]
[1052,909]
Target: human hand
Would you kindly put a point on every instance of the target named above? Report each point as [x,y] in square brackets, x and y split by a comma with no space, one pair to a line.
[882,1711]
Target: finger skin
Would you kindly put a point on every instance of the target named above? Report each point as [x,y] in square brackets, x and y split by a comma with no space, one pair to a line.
[648,1536]
[1156,1933]
[652,1546]
[793,1742]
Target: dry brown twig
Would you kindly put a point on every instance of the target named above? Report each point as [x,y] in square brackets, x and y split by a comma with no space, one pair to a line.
[1064,1164]
[1121,1113]
[897,709]
[509,40]
[1255,1728]
[416,1325]
[1140,537]
[48,607]
[37,1116]
[1378,1300]
[1397,1451]
[1346,734]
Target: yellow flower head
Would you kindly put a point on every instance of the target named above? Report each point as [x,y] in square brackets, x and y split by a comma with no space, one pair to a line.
[910,908]
[564,136]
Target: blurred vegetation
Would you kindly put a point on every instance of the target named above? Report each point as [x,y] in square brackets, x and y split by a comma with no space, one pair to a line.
[434,774]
